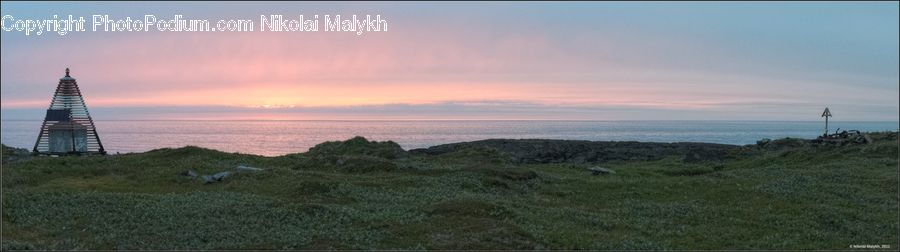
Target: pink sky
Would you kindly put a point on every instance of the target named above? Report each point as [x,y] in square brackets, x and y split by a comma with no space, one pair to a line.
[633,62]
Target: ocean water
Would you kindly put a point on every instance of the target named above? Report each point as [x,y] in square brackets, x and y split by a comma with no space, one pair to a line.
[273,138]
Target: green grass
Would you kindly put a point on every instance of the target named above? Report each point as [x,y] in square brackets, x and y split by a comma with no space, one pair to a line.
[367,195]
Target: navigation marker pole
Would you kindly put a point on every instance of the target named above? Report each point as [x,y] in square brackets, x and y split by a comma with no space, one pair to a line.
[826,114]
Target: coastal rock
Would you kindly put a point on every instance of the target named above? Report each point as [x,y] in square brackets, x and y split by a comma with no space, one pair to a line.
[537,151]
[358,146]
[783,143]
[597,170]
[867,138]
[860,139]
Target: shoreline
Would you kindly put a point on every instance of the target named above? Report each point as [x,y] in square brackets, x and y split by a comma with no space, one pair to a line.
[275,138]
[524,149]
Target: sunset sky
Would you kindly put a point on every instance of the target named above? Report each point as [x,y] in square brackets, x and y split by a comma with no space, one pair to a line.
[532,60]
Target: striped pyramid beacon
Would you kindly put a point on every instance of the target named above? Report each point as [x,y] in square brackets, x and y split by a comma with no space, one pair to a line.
[68,128]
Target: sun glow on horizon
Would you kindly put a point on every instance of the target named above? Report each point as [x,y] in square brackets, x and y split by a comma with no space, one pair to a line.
[539,66]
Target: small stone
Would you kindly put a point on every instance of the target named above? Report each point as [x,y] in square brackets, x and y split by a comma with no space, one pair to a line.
[218,177]
[241,168]
[189,173]
[207,179]
[221,175]
[597,170]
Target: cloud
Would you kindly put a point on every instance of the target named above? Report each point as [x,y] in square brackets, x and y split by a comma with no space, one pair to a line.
[479,110]
[704,61]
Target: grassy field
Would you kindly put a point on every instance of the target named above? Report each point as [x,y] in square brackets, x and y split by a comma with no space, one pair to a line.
[366,195]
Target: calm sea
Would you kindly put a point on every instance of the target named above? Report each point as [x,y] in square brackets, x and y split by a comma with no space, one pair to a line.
[272,138]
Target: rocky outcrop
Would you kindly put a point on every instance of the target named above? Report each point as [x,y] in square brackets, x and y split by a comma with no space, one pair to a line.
[358,146]
[532,151]
[356,155]
[838,139]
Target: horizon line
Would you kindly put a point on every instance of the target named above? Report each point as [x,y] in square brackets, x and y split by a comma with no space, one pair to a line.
[558,120]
